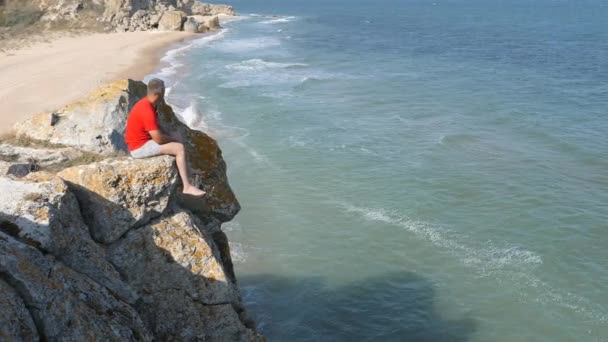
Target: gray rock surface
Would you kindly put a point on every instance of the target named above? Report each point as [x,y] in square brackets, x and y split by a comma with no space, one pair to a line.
[19,161]
[176,259]
[16,323]
[110,250]
[64,304]
[46,215]
[95,123]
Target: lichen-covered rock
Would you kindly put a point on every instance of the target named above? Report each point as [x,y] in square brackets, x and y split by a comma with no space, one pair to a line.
[107,251]
[65,304]
[106,122]
[172,21]
[95,123]
[172,252]
[209,169]
[116,195]
[16,323]
[47,216]
[176,267]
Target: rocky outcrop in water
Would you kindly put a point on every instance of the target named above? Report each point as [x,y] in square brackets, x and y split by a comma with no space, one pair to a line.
[108,250]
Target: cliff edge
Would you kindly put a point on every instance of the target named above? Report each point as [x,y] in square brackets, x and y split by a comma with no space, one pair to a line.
[111,15]
[95,245]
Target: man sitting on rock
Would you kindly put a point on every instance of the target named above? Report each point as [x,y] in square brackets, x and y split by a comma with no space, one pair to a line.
[145,139]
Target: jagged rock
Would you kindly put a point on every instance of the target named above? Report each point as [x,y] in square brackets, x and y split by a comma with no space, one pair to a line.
[66,305]
[63,10]
[202,8]
[16,323]
[20,161]
[42,156]
[116,195]
[209,168]
[95,123]
[21,170]
[193,26]
[47,216]
[103,115]
[200,24]
[172,21]
[176,267]
[118,15]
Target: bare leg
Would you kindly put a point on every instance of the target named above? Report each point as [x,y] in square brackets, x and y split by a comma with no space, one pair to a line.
[177,150]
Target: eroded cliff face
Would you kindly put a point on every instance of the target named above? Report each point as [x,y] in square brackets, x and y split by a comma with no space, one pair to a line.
[119,15]
[108,250]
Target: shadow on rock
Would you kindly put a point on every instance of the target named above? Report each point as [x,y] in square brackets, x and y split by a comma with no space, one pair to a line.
[177,267]
[385,308]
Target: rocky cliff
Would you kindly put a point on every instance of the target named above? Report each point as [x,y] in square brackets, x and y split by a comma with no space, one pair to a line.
[114,15]
[99,246]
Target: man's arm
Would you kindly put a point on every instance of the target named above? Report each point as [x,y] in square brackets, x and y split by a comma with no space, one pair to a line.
[160,138]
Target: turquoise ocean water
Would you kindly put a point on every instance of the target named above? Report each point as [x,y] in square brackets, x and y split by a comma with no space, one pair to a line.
[412,170]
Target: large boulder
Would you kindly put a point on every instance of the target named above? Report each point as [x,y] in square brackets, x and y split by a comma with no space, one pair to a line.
[201,24]
[116,195]
[208,166]
[46,215]
[66,305]
[176,267]
[172,21]
[95,123]
[193,26]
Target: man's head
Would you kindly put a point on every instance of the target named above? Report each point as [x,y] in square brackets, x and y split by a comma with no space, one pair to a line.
[156,90]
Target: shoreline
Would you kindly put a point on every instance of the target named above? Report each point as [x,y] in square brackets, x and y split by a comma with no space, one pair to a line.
[47,76]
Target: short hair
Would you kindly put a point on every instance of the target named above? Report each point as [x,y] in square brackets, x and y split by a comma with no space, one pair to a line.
[156,87]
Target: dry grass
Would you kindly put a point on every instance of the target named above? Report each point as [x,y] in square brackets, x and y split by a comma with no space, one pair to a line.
[19,14]
[33,197]
[84,159]
[10,158]
[25,141]
[20,24]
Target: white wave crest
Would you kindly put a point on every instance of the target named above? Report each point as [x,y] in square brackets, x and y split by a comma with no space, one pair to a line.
[510,262]
[484,259]
[237,253]
[247,45]
[277,20]
[260,64]
[193,118]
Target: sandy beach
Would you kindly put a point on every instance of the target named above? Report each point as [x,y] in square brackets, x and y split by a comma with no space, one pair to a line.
[46,76]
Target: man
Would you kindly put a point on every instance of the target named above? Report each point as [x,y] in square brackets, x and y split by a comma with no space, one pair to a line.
[145,139]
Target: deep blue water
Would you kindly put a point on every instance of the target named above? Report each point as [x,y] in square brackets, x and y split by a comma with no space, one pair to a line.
[412,170]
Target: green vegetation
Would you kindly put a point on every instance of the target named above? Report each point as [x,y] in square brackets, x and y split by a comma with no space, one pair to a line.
[16,14]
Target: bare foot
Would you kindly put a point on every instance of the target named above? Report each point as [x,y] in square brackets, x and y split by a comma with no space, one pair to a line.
[194,191]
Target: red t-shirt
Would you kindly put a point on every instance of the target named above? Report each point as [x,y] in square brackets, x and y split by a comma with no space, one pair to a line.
[142,120]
